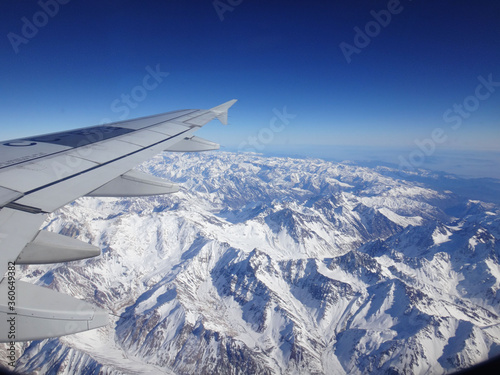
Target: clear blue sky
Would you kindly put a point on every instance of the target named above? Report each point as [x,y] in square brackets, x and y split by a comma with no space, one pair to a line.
[73,69]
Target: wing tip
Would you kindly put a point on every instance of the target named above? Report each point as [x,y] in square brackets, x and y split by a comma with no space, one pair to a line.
[222,109]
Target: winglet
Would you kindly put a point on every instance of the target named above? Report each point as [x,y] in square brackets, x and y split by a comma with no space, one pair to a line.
[221,111]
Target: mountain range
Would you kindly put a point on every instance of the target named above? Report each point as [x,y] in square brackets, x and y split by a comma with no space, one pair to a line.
[276,265]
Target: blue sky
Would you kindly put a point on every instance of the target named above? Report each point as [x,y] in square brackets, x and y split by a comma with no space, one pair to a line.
[412,79]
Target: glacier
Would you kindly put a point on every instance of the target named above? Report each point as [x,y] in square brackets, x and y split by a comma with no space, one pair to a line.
[278,265]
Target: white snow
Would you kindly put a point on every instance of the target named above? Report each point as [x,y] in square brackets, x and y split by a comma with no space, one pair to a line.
[272,262]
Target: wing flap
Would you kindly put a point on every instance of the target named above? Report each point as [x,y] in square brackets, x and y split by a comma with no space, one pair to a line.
[135,184]
[8,195]
[193,144]
[17,228]
[39,313]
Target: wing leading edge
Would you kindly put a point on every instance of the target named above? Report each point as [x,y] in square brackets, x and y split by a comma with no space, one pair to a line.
[40,174]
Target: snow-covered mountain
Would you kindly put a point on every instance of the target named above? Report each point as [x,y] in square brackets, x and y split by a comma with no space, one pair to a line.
[278,266]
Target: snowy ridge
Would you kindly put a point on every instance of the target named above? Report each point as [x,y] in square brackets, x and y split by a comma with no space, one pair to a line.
[278,266]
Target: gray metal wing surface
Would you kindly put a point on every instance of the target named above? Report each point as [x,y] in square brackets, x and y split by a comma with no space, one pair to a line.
[40,174]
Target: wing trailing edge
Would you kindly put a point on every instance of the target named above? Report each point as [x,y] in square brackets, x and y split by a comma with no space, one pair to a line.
[193,144]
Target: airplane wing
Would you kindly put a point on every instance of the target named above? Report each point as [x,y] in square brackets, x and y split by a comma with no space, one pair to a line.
[40,174]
